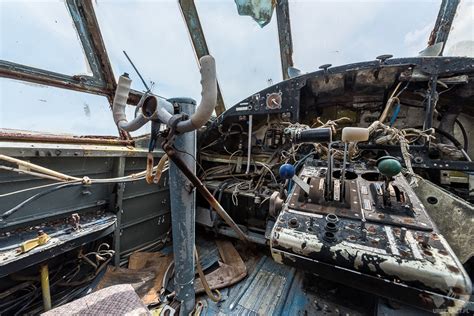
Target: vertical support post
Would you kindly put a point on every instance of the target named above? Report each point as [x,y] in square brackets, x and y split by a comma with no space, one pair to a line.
[118,172]
[284,36]
[249,144]
[343,172]
[44,276]
[431,101]
[183,210]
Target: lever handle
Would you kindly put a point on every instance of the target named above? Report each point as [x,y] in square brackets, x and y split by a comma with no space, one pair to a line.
[389,166]
[287,171]
[355,134]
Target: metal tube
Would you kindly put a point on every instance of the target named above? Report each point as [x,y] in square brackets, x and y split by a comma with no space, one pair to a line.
[44,276]
[284,36]
[430,103]
[343,172]
[183,210]
[204,191]
[249,149]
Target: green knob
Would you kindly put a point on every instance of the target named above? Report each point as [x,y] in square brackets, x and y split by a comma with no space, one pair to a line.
[389,166]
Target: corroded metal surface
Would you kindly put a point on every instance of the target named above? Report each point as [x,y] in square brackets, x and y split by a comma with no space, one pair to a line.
[444,21]
[191,17]
[284,36]
[453,216]
[402,255]
[63,238]
[68,139]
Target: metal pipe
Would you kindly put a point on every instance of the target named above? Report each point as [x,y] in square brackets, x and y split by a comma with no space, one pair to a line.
[249,149]
[208,96]
[183,210]
[44,276]
[159,110]
[343,172]
[172,155]
[119,104]
[252,237]
[431,103]
[284,36]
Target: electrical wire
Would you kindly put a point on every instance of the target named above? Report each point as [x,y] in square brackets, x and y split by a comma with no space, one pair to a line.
[464,134]
[32,188]
[35,197]
[63,186]
[267,168]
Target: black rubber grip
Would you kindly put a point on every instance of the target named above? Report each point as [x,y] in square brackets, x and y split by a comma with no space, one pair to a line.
[314,135]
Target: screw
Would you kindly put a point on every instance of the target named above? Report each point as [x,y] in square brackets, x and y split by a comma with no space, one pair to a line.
[403,233]
[426,239]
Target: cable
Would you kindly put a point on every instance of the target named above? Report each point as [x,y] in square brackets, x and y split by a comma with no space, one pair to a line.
[35,197]
[31,189]
[194,158]
[464,134]
[205,285]
[450,137]
[62,186]
[268,168]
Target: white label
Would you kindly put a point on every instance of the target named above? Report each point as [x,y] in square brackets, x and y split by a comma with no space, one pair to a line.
[337,188]
[367,205]
[413,245]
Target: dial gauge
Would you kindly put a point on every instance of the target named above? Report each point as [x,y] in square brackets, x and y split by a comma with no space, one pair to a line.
[274,100]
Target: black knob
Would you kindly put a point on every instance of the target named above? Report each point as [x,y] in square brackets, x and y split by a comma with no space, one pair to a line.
[383,58]
[325,67]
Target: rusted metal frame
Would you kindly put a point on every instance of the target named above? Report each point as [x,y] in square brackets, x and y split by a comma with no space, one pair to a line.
[26,73]
[63,139]
[193,24]
[87,26]
[444,21]
[102,82]
[284,36]
[88,29]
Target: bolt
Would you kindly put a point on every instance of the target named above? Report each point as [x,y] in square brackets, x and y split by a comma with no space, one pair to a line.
[426,239]
[403,233]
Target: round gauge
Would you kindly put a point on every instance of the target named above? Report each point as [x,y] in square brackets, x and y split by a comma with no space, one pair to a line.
[274,100]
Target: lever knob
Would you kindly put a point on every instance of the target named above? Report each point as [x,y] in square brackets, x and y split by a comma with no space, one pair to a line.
[355,134]
[287,171]
[389,166]
[313,135]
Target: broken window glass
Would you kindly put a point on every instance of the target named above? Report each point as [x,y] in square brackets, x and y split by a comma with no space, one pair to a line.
[41,34]
[461,37]
[342,32]
[32,107]
[260,10]
[247,56]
